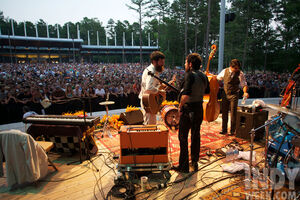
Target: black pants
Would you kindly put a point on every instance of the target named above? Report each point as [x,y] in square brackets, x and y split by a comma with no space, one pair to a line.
[191,118]
[229,101]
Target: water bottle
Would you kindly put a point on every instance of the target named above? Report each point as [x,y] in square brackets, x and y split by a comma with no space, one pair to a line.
[253,108]
[229,154]
[236,154]
[244,100]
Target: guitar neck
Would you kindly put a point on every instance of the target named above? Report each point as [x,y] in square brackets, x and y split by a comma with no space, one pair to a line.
[165,82]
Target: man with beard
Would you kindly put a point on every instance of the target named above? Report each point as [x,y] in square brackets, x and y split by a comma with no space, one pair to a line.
[150,83]
[190,109]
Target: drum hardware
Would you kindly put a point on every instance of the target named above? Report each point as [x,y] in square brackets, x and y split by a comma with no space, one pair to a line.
[283,110]
[282,146]
[295,150]
[252,135]
[170,115]
[267,126]
[106,123]
[289,128]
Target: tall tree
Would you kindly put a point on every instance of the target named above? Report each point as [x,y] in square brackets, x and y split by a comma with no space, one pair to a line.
[139,6]
[207,31]
[110,29]
[158,9]
[287,17]
[186,27]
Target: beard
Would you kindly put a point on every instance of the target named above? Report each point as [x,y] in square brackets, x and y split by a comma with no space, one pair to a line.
[159,68]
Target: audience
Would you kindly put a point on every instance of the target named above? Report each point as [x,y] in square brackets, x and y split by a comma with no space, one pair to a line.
[29,84]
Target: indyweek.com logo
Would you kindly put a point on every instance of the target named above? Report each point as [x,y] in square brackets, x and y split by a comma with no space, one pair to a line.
[272,183]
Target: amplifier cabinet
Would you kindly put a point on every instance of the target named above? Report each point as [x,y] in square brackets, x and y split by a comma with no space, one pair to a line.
[143,144]
[246,121]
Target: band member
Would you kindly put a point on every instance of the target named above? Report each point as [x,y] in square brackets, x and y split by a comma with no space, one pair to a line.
[233,79]
[190,109]
[150,83]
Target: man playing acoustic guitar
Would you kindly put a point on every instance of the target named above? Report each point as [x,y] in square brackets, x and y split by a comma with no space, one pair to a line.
[152,93]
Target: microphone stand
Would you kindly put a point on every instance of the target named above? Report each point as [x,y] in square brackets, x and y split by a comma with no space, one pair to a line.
[165,82]
[88,157]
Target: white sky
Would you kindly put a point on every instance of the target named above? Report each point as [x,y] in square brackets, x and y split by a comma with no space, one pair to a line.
[62,11]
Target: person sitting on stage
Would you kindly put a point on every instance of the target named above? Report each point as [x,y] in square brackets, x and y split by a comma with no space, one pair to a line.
[190,109]
[233,79]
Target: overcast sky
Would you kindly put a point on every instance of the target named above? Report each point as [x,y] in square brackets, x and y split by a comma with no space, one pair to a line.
[62,11]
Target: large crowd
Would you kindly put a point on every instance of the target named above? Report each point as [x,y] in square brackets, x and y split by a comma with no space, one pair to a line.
[29,84]
[22,83]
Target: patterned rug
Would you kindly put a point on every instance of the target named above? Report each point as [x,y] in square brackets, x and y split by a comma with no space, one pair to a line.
[210,140]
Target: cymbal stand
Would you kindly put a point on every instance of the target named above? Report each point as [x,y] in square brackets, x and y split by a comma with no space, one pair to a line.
[252,136]
[267,125]
[106,124]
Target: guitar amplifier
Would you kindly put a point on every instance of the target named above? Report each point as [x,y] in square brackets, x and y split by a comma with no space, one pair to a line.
[143,144]
[132,117]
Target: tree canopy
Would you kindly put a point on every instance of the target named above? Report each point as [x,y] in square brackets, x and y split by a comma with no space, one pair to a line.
[265,34]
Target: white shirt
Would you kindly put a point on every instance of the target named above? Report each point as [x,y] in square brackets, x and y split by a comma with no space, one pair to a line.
[149,82]
[100,92]
[242,78]
[77,92]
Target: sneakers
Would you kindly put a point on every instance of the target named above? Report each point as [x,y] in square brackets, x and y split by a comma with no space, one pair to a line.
[180,170]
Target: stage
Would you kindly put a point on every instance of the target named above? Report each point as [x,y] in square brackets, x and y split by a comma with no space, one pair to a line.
[82,181]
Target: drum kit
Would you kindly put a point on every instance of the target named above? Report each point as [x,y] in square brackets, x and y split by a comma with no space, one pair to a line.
[282,140]
[283,149]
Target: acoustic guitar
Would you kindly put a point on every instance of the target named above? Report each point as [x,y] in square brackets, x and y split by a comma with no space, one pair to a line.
[152,100]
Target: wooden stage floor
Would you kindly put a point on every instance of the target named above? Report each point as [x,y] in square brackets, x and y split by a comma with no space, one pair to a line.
[82,181]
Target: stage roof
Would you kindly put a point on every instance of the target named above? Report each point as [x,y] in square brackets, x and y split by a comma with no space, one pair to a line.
[7,40]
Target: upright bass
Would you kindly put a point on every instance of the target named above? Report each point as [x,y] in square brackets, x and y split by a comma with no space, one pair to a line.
[211,106]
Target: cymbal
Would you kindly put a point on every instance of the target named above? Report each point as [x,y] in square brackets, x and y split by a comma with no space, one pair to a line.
[105,103]
[283,110]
